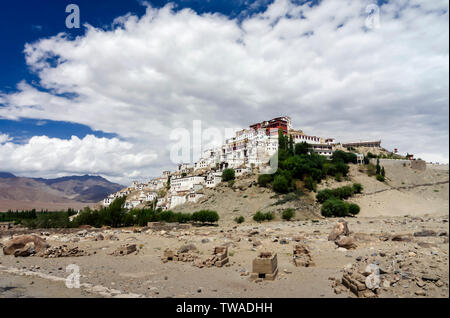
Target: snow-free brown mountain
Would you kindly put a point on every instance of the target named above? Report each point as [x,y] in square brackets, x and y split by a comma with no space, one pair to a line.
[53,194]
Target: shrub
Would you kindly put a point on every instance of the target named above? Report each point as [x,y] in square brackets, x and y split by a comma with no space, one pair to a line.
[288,214]
[228,174]
[259,216]
[289,197]
[353,208]
[280,184]
[338,177]
[335,207]
[380,178]
[205,216]
[341,168]
[344,192]
[310,184]
[269,216]
[230,183]
[324,195]
[264,179]
[357,187]
[239,219]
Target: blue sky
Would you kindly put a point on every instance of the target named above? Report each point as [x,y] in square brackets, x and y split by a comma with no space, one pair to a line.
[28,21]
[105,98]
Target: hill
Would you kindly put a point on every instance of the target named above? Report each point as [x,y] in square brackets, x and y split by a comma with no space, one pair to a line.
[52,194]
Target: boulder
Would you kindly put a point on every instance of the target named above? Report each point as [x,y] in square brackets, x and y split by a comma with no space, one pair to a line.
[187,248]
[341,228]
[347,242]
[20,243]
[373,281]
[425,233]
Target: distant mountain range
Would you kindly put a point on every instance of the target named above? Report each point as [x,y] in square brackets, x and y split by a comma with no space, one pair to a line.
[59,193]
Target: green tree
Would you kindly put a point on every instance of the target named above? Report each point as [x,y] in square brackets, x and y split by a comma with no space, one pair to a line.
[378,171]
[280,184]
[228,174]
[301,148]
[288,214]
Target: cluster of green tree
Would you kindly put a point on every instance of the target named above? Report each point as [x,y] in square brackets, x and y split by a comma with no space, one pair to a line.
[298,162]
[116,216]
[38,219]
[260,216]
[338,193]
[333,204]
[338,208]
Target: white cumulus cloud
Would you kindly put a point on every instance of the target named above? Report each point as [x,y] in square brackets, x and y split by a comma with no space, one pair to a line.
[145,76]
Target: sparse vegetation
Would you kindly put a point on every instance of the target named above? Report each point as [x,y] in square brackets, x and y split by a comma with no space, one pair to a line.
[239,219]
[338,193]
[260,216]
[264,179]
[288,214]
[380,178]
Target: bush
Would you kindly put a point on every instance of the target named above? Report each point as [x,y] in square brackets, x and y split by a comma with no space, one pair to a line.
[280,184]
[230,183]
[259,216]
[344,192]
[228,174]
[324,195]
[338,177]
[341,168]
[239,219]
[310,184]
[380,178]
[353,208]
[335,207]
[264,179]
[205,216]
[357,188]
[288,214]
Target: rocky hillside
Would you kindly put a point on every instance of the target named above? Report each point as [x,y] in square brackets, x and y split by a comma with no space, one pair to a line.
[406,191]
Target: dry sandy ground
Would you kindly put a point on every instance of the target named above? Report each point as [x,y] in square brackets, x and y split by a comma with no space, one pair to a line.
[408,202]
[143,274]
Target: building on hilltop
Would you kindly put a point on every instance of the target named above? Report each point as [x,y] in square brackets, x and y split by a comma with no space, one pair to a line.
[248,148]
[373,144]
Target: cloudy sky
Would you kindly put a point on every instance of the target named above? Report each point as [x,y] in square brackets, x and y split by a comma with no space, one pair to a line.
[106,98]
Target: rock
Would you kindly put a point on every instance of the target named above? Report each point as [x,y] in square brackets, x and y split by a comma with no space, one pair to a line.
[346,242]
[373,281]
[372,269]
[425,233]
[99,237]
[187,248]
[420,293]
[256,243]
[341,228]
[429,277]
[401,238]
[386,284]
[284,241]
[205,240]
[27,250]
[19,243]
